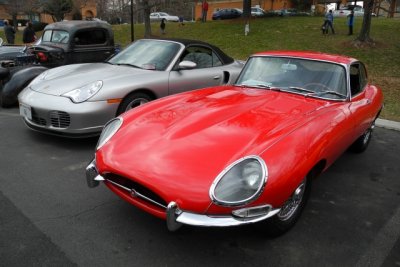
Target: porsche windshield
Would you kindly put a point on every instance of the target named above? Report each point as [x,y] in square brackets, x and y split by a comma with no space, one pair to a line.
[147,54]
[301,76]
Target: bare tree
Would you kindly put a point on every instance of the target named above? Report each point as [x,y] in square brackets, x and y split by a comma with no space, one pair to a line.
[14,7]
[364,37]
[246,8]
[57,8]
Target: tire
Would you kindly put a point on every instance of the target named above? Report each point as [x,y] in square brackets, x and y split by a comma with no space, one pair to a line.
[290,211]
[132,101]
[361,144]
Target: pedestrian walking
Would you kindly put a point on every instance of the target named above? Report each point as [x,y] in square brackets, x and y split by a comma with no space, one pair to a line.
[328,23]
[28,36]
[350,22]
[204,8]
[9,32]
[162,26]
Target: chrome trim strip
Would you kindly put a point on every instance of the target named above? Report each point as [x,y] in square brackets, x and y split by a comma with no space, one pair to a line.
[223,221]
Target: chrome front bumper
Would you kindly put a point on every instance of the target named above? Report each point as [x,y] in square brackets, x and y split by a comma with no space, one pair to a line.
[176,217]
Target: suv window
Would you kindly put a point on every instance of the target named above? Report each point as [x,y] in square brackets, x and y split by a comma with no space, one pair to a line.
[55,36]
[90,37]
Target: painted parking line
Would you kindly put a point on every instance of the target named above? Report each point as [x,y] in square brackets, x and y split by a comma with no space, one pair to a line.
[385,240]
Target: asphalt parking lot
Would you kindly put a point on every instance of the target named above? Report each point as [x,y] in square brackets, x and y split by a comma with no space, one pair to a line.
[49,217]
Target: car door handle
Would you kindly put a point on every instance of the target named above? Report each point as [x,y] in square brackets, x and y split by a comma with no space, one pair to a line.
[217,77]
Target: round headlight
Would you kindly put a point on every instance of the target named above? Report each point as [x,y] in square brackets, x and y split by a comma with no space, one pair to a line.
[108,131]
[85,92]
[240,183]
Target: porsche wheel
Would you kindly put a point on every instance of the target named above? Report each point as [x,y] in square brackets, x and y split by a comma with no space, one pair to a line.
[361,144]
[290,211]
[132,101]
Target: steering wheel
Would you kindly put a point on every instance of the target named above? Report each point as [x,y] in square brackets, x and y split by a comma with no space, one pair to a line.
[317,87]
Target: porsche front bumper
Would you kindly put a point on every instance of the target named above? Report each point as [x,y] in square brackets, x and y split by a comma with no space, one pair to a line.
[176,217]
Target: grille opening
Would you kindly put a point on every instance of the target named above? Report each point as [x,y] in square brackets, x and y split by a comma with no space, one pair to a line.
[137,187]
[59,119]
[37,119]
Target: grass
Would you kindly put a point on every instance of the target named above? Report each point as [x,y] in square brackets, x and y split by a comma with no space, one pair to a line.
[297,33]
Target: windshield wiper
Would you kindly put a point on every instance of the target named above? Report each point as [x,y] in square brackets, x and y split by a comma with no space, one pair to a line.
[254,85]
[301,89]
[130,65]
[329,93]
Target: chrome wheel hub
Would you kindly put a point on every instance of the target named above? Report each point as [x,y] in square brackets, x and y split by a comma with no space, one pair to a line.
[136,102]
[293,203]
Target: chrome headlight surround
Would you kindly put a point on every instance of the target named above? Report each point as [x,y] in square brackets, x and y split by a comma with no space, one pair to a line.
[249,173]
[108,131]
[85,92]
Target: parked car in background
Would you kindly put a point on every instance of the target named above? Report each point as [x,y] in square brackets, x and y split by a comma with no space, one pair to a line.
[240,154]
[257,12]
[78,99]
[227,13]
[346,10]
[61,43]
[158,16]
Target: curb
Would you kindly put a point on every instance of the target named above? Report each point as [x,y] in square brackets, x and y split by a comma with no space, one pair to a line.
[392,125]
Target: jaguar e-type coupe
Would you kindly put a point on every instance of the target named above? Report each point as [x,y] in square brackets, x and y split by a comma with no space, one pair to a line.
[244,153]
[77,100]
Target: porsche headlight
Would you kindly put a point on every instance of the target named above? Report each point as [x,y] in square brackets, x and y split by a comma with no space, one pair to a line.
[108,131]
[85,92]
[240,183]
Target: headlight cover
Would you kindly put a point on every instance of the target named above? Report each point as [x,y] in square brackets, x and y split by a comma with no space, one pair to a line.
[108,131]
[85,92]
[240,183]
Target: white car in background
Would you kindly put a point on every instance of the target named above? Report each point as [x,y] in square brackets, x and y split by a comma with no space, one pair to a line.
[257,12]
[343,12]
[158,16]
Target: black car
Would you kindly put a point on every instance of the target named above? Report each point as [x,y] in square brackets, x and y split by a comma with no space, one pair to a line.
[227,13]
[62,43]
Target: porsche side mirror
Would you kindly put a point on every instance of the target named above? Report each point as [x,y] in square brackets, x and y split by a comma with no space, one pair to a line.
[187,65]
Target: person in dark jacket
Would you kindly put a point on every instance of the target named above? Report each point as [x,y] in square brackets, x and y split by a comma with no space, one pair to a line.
[28,36]
[162,26]
[350,22]
[9,32]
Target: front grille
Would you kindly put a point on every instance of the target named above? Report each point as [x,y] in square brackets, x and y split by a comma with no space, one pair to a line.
[37,119]
[59,119]
[142,190]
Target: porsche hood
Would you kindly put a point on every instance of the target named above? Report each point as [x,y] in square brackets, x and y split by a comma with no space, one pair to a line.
[178,145]
[63,79]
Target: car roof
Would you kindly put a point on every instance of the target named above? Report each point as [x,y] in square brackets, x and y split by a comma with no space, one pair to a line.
[188,42]
[341,59]
[74,25]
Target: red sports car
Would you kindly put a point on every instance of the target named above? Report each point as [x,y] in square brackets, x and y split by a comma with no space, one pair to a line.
[240,154]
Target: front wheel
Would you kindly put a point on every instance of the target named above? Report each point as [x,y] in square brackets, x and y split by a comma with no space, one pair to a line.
[132,101]
[289,212]
[361,144]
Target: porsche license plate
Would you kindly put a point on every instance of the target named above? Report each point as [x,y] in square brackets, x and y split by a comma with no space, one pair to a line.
[25,111]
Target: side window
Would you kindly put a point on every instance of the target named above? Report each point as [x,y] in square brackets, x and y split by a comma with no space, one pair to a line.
[202,56]
[363,77]
[358,78]
[90,37]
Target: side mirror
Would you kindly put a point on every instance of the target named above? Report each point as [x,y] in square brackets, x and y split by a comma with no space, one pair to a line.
[187,65]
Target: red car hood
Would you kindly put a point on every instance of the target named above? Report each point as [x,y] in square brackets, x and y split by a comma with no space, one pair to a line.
[178,145]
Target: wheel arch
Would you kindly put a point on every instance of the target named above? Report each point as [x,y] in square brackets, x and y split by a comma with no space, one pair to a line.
[146,91]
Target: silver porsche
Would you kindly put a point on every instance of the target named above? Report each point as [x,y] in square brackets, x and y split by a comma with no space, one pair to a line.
[77,100]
